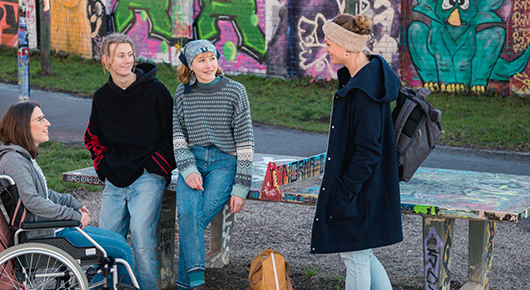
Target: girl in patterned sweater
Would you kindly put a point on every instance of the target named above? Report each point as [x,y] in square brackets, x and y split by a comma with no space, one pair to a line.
[213,141]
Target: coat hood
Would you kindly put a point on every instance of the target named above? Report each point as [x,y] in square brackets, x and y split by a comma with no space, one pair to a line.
[145,72]
[14,148]
[382,89]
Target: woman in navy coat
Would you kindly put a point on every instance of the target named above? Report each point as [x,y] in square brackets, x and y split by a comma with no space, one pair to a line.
[358,207]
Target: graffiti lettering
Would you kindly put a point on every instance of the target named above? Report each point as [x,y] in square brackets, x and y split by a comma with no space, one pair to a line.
[432,244]
[446,261]
[525,82]
[226,235]
[312,56]
[521,29]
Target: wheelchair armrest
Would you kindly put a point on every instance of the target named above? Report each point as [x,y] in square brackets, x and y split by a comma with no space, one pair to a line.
[49,224]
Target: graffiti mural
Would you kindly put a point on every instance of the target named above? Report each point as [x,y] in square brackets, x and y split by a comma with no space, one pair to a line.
[459,46]
[310,46]
[8,23]
[444,45]
[155,12]
[521,39]
[70,27]
[98,24]
[237,30]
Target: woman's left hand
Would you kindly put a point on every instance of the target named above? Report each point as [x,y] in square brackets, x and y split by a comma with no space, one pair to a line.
[84,209]
[236,204]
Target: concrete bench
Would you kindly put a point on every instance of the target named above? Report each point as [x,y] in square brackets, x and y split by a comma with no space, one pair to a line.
[439,196]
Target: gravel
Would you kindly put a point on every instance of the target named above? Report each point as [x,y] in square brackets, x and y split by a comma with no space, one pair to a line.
[286,228]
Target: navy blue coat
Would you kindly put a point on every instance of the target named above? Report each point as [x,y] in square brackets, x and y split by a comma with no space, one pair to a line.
[358,205]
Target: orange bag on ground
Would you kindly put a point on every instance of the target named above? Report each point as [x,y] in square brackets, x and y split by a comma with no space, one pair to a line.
[269,271]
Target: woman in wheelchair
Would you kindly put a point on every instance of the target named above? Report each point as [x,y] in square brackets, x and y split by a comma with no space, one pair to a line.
[22,128]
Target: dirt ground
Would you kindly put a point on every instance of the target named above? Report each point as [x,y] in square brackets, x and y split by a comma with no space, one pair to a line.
[286,228]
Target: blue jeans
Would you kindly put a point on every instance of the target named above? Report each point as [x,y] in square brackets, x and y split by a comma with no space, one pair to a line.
[364,271]
[196,209]
[136,207]
[114,244]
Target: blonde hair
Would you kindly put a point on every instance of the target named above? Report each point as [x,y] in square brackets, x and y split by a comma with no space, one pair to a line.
[359,24]
[116,38]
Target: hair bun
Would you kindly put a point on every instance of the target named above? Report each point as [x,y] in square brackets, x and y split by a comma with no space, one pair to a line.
[363,23]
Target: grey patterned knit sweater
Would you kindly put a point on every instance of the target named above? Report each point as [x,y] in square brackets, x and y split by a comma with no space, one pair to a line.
[217,115]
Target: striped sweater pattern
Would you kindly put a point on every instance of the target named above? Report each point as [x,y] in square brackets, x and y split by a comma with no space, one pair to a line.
[217,115]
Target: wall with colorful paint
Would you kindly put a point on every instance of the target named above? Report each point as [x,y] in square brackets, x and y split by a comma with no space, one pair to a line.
[443,45]
[475,45]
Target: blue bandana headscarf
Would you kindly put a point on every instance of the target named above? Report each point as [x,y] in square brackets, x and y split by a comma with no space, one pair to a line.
[195,47]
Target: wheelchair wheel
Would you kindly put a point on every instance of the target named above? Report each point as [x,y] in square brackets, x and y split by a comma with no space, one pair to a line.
[40,266]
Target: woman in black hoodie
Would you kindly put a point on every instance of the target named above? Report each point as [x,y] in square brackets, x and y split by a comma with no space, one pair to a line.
[358,205]
[129,136]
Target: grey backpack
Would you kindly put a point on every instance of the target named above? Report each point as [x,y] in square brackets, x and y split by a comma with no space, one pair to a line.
[417,126]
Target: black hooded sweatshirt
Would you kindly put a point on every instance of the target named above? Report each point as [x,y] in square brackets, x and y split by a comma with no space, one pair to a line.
[131,130]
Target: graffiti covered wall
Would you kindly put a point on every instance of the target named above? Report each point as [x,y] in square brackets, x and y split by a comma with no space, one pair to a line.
[455,46]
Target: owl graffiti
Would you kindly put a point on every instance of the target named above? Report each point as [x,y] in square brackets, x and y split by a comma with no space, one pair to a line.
[453,53]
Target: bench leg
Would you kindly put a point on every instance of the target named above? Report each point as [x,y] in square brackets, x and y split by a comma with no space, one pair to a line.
[437,250]
[165,234]
[481,234]
[220,240]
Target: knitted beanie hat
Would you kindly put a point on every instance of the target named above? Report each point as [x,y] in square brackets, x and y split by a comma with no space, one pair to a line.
[195,47]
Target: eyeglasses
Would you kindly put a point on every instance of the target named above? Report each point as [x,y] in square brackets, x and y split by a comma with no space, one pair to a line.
[41,119]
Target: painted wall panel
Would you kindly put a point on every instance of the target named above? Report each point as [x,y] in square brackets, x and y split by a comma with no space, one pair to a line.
[9,22]
[444,45]
[464,45]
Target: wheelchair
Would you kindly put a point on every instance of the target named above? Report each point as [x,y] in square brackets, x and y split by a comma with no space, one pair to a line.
[54,262]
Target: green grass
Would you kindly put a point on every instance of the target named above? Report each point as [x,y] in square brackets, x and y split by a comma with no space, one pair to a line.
[482,122]
[311,271]
[55,158]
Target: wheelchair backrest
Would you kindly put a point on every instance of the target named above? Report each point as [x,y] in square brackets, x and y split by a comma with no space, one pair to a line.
[6,237]
[13,209]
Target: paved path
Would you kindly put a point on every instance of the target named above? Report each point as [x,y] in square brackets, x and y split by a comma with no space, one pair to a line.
[69,116]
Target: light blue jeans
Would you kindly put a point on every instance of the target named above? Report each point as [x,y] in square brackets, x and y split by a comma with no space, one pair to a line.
[196,209]
[136,207]
[113,243]
[364,271]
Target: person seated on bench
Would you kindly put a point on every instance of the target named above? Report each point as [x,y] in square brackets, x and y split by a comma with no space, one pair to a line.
[22,128]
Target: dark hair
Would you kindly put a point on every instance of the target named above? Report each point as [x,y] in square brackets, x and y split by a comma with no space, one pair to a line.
[15,127]
[359,24]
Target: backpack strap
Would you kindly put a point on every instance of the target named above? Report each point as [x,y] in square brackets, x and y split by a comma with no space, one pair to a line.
[256,269]
[401,118]
[289,284]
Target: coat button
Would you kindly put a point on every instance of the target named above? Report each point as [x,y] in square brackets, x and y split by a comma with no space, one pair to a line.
[330,217]
[332,127]
[316,219]
[323,188]
[313,249]
[329,158]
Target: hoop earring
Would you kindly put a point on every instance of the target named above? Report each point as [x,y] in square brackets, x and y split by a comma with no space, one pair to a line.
[347,55]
